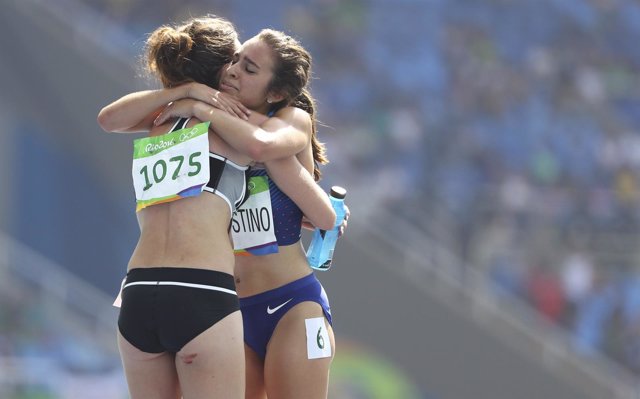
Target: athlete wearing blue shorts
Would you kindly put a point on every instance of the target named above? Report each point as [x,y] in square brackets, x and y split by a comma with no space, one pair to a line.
[276,221]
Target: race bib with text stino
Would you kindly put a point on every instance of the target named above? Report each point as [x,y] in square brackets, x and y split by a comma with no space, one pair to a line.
[252,226]
[171,166]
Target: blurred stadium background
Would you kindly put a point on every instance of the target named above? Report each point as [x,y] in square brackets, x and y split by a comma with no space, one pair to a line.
[491,150]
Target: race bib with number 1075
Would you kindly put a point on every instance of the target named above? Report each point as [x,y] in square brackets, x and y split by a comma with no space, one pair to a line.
[171,166]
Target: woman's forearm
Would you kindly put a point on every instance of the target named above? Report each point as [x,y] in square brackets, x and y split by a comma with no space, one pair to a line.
[298,184]
[275,138]
[135,112]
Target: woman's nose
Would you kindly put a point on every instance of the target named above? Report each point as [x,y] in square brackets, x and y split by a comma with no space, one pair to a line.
[231,71]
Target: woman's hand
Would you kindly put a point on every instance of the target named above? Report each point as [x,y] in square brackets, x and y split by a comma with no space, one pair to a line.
[217,99]
[343,226]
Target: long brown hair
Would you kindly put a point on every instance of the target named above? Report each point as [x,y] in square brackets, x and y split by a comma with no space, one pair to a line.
[196,50]
[291,76]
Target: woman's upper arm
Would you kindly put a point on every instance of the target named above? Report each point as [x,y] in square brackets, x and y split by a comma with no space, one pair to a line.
[297,183]
[285,134]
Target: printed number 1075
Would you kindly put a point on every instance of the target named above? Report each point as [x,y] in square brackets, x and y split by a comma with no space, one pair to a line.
[160,168]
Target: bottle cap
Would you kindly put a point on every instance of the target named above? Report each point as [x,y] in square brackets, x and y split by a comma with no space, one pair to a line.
[338,192]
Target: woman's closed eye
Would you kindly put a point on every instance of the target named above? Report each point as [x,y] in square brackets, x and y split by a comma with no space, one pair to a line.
[247,67]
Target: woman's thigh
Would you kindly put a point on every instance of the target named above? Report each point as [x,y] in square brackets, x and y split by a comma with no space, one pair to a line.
[212,364]
[255,375]
[149,375]
[289,371]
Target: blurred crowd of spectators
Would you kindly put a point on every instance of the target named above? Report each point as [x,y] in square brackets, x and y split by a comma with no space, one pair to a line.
[521,118]
[41,357]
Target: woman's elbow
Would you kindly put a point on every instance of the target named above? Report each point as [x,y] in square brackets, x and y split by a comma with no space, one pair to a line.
[328,221]
[258,151]
[105,120]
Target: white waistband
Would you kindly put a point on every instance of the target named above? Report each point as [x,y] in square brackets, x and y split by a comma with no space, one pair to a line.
[190,285]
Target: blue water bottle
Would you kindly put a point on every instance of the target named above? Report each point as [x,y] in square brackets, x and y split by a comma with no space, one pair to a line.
[323,242]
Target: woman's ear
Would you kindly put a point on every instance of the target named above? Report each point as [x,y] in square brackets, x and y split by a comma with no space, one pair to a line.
[274,98]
